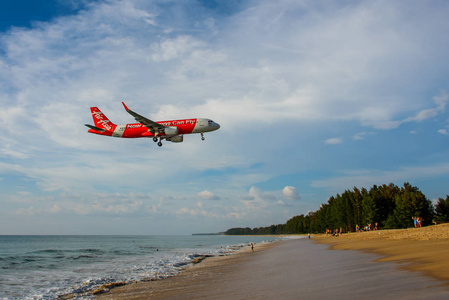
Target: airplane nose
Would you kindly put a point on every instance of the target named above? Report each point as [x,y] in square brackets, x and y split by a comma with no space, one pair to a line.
[218,125]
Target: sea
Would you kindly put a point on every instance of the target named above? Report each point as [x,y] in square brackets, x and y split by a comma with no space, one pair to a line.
[48,267]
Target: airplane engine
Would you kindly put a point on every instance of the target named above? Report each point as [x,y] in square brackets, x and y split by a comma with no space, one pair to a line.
[171,131]
[176,139]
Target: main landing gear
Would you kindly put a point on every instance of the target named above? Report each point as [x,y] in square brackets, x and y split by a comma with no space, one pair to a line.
[160,141]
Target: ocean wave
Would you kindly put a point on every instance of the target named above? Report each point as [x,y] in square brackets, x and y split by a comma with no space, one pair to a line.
[51,272]
[59,251]
[83,256]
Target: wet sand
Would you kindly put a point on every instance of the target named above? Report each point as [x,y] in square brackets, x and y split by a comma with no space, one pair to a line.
[292,269]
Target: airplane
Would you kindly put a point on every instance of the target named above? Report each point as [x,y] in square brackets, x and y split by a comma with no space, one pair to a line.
[172,131]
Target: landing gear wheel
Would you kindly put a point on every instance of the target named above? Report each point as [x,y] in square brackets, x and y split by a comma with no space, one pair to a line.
[202,136]
[155,139]
[159,144]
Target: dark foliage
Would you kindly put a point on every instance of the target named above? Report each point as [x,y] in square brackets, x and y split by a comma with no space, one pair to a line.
[442,209]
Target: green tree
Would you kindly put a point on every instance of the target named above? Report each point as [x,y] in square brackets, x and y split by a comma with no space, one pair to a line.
[442,209]
[401,217]
[295,225]
[385,201]
[369,210]
[310,222]
[357,198]
[417,204]
[409,203]
[340,211]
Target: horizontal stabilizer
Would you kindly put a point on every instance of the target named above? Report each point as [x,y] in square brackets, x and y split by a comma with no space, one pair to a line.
[95,128]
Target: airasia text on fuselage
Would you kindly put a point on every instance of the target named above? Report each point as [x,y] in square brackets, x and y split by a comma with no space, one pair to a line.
[177,122]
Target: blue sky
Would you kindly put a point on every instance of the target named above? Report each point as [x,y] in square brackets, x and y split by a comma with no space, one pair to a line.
[313,98]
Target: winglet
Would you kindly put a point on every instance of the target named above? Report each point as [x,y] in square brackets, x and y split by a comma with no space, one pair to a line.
[125,106]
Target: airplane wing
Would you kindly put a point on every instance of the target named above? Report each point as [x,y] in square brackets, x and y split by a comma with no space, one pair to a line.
[151,125]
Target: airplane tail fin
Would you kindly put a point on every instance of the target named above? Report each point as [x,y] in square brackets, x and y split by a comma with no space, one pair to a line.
[100,120]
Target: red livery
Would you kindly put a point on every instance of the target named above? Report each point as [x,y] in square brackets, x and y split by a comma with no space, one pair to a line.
[172,131]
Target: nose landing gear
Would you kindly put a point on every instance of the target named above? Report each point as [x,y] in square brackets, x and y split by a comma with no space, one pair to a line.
[202,136]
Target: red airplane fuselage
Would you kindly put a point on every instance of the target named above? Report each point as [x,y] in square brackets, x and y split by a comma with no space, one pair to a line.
[172,130]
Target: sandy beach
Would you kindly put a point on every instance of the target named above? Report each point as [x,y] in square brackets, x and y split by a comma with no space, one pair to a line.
[423,249]
[302,268]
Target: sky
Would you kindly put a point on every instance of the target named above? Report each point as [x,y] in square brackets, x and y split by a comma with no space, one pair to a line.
[313,98]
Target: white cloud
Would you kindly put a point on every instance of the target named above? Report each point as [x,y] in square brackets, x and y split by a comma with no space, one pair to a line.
[6,151]
[256,199]
[367,178]
[443,131]
[361,135]
[55,209]
[425,114]
[30,211]
[175,48]
[290,193]
[207,195]
[441,100]
[197,210]
[333,141]
[64,204]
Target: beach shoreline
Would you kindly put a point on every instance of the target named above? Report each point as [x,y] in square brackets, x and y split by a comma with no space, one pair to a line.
[300,266]
[170,287]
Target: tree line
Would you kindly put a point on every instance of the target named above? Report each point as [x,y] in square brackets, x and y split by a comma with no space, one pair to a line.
[389,206]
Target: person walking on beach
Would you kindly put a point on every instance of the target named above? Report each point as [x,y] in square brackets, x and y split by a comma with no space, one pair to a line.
[309,235]
[252,247]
